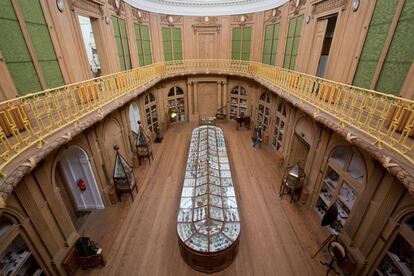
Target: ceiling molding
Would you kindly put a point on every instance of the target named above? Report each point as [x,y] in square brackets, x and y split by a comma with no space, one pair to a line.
[205,7]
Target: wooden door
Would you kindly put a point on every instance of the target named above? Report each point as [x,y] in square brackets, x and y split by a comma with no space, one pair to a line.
[207,99]
[206,45]
[317,46]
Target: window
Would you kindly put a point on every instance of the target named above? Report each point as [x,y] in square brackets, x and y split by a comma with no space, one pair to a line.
[238,102]
[171,41]
[292,42]
[241,43]
[399,258]
[27,47]
[343,181]
[280,123]
[387,75]
[271,40]
[121,39]
[143,44]
[176,99]
[17,259]
[263,113]
[151,114]
[86,27]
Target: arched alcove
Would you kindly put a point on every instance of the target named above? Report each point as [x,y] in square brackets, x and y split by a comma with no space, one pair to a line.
[73,167]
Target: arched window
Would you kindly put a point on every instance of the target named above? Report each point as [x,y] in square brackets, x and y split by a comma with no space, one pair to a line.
[263,113]
[343,181]
[280,123]
[151,114]
[238,102]
[134,117]
[399,255]
[176,99]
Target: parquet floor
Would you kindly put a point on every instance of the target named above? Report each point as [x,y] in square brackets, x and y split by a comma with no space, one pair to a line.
[139,238]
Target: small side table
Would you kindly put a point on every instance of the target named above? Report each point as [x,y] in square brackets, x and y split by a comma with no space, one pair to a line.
[292,183]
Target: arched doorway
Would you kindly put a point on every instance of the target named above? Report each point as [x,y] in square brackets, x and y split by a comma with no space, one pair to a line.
[73,166]
[134,117]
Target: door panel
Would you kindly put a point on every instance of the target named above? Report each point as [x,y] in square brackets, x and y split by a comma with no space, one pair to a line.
[207,99]
[317,46]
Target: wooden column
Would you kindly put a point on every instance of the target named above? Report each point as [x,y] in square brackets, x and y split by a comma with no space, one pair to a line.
[195,92]
[189,99]
[219,106]
[225,102]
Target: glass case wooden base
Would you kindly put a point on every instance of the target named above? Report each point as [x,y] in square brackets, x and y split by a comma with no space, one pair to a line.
[209,262]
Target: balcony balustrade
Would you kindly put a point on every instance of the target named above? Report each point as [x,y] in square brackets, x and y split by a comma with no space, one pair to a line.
[383,121]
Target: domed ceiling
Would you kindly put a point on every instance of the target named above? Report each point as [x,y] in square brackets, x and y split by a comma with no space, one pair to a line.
[205,7]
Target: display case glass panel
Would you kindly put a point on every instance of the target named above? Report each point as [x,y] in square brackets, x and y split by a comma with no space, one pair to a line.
[208,219]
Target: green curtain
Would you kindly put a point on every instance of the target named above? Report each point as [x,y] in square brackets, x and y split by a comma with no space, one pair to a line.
[241,40]
[121,40]
[15,51]
[292,42]
[374,42]
[400,54]
[271,41]
[172,43]
[146,44]
[143,44]
[236,43]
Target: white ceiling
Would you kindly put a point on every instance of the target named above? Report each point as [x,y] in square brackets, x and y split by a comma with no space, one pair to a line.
[205,7]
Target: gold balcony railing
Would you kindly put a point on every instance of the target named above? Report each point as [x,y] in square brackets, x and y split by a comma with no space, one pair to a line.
[29,120]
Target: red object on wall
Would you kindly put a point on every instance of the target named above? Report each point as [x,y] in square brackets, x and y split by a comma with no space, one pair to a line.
[82,184]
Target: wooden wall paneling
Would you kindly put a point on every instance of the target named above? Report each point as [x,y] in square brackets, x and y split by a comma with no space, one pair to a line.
[65,40]
[129,19]
[156,38]
[45,177]
[362,205]
[314,179]
[284,24]
[103,37]
[36,208]
[256,47]
[316,46]
[29,44]
[385,201]
[83,58]
[189,38]
[407,90]
[357,24]
[7,88]
[387,44]
[224,43]
[98,164]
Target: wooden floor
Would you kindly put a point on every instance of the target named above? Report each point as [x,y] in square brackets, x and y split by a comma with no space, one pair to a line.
[139,238]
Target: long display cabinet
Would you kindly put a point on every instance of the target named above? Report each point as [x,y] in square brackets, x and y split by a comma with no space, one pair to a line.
[208,222]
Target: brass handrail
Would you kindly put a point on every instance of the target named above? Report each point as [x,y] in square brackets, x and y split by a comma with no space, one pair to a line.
[31,119]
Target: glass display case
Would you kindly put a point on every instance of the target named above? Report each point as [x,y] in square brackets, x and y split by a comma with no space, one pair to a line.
[238,102]
[17,259]
[208,222]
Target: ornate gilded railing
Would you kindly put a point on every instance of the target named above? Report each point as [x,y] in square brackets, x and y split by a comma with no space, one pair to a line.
[29,120]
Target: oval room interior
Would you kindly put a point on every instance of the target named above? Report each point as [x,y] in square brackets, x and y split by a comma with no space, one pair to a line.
[190,137]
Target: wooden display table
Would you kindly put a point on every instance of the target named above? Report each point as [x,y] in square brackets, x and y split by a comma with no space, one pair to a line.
[208,223]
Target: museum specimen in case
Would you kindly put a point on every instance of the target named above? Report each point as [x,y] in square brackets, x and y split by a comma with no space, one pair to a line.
[208,222]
